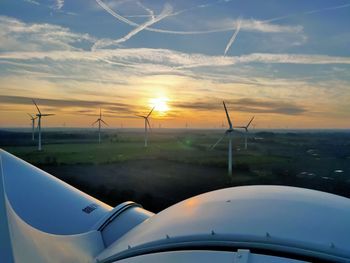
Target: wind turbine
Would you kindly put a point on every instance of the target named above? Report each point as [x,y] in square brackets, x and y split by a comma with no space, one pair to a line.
[147,124]
[228,133]
[99,120]
[246,132]
[39,115]
[32,118]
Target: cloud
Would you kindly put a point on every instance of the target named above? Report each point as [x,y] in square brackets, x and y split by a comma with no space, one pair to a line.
[32,2]
[245,105]
[253,25]
[133,56]
[19,36]
[63,104]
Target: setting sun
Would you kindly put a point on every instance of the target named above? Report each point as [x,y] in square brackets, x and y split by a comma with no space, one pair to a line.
[160,104]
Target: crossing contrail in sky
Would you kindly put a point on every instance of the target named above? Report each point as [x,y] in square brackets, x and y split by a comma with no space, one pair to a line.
[225,29]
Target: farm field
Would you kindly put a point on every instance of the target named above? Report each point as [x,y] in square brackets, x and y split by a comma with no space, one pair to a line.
[179,163]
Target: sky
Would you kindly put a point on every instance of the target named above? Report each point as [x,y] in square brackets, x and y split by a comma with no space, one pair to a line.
[285,62]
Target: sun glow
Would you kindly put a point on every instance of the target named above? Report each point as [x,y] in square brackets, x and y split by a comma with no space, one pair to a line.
[160,104]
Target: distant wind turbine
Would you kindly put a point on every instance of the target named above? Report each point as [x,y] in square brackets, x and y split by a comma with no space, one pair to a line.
[246,132]
[39,115]
[228,133]
[99,120]
[147,124]
[32,118]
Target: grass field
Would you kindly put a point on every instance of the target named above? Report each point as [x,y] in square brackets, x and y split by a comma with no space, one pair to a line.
[179,163]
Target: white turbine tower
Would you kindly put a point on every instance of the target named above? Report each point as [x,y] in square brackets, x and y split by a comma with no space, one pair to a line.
[246,132]
[99,120]
[228,133]
[32,118]
[39,115]
[147,124]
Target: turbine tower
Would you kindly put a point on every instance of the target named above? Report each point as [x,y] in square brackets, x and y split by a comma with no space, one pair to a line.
[32,118]
[147,124]
[99,120]
[39,115]
[246,132]
[228,133]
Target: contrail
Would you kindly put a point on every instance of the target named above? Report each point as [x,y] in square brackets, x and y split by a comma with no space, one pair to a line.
[158,30]
[117,16]
[150,12]
[233,38]
[131,23]
[165,13]
[307,12]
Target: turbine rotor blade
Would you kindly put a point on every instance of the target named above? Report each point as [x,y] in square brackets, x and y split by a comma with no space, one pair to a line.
[140,116]
[250,122]
[31,116]
[218,141]
[227,115]
[94,123]
[36,106]
[149,125]
[104,122]
[149,114]
[50,114]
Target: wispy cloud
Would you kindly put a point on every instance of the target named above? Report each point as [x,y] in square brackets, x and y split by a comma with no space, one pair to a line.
[14,33]
[233,38]
[174,59]
[69,105]
[245,105]
[32,2]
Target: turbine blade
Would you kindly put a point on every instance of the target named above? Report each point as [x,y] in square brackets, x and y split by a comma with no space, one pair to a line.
[104,122]
[218,141]
[140,116]
[36,106]
[227,115]
[49,114]
[31,116]
[149,114]
[250,122]
[94,123]
[100,114]
[149,125]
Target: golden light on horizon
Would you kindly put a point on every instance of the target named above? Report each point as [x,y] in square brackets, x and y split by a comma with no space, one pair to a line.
[160,105]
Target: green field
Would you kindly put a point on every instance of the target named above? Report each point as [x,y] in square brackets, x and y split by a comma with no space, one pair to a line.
[179,163]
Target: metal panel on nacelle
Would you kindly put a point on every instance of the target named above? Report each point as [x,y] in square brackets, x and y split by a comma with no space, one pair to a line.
[208,256]
[275,218]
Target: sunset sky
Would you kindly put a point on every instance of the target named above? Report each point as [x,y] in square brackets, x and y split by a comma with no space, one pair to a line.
[286,62]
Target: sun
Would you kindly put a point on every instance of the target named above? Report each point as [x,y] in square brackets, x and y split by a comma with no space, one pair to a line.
[160,104]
